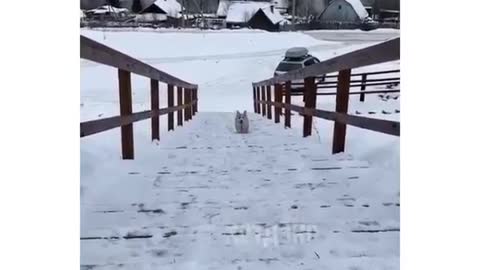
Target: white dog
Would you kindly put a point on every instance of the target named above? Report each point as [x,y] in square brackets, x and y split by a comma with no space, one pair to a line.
[241,122]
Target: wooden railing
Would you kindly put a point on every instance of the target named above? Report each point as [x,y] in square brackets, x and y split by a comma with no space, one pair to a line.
[358,81]
[282,86]
[186,105]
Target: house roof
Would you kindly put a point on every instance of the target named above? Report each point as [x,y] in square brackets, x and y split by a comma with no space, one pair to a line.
[358,8]
[274,16]
[107,9]
[242,12]
[171,7]
[223,8]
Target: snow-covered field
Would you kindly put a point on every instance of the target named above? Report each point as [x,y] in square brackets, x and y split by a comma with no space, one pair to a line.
[224,64]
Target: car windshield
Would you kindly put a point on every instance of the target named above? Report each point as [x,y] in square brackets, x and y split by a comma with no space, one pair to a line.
[288,66]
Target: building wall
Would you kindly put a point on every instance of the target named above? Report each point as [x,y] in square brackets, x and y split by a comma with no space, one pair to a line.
[339,10]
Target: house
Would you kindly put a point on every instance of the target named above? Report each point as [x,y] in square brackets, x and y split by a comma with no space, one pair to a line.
[239,13]
[171,8]
[224,5]
[267,18]
[344,11]
[106,13]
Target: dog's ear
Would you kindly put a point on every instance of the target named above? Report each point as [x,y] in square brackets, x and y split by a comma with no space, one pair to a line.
[245,113]
[238,114]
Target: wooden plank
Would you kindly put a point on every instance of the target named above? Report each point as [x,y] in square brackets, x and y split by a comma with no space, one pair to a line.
[310,103]
[170,103]
[258,99]
[254,99]
[277,98]
[264,106]
[269,98]
[155,106]
[359,93]
[125,94]
[97,52]
[368,73]
[100,125]
[288,88]
[376,54]
[179,103]
[195,98]
[340,129]
[372,124]
[188,109]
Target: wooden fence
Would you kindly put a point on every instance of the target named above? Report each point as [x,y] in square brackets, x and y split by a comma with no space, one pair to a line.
[282,86]
[186,105]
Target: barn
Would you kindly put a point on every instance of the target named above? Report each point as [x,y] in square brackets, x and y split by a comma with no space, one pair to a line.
[344,11]
[267,18]
[239,13]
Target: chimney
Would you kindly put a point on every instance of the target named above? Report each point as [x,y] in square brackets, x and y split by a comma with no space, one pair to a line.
[271,8]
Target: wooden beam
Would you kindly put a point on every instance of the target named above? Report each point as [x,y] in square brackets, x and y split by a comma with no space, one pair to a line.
[179,103]
[264,106]
[254,100]
[170,103]
[100,125]
[188,109]
[376,54]
[277,98]
[310,103]
[288,88]
[362,89]
[269,98]
[155,106]
[373,124]
[340,129]
[97,52]
[125,94]
[258,99]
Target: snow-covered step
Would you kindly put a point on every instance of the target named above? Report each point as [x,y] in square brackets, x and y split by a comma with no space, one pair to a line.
[208,198]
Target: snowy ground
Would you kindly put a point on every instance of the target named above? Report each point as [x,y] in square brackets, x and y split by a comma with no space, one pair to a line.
[224,64]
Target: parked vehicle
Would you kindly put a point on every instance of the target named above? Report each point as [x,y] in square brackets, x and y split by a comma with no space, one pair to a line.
[296,58]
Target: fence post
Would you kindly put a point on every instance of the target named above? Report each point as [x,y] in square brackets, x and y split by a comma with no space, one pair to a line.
[264,106]
[340,130]
[362,88]
[179,103]
[187,102]
[195,97]
[170,100]
[278,98]
[254,99]
[269,99]
[288,92]
[310,96]
[258,99]
[154,102]
[125,92]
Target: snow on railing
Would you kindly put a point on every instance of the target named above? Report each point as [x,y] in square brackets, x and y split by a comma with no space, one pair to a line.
[343,64]
[187,95]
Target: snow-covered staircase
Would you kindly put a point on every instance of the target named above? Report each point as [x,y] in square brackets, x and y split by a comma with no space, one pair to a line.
[214,199]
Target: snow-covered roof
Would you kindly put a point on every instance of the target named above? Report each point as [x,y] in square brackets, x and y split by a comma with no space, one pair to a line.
[223,8]
[107,9]
[171,7]
[274,16]
[358,8]
[242,12]
[82,14]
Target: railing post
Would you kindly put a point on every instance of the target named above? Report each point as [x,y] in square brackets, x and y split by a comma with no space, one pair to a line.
[362,88]
[340,130]
[258,99]
[170,100]
[278,98]
[195,98]
[125,92]
[179,103]
[254,100]
[154,102]
[310,96]
[269,99]
[264,106]
[288,92]
[187,102]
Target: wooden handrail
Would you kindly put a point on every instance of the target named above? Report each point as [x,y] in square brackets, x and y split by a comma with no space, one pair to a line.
[380,53]
[96,126]
[373,124]
[100,53]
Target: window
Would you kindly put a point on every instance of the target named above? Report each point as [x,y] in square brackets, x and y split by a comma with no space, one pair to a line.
[288,66]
